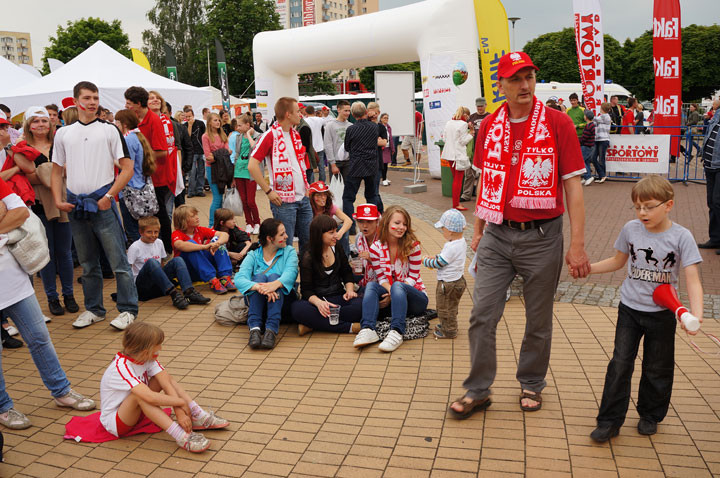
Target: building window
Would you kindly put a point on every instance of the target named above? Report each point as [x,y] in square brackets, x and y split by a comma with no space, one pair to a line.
[364,10]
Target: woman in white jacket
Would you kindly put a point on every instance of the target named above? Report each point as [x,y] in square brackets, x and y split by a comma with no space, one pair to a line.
[458,133]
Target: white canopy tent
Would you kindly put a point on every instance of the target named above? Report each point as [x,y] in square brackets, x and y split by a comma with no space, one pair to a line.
[112,72]
[12,77]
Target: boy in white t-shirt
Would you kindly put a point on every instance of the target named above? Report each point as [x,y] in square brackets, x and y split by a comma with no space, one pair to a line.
[151,278]
[450,264]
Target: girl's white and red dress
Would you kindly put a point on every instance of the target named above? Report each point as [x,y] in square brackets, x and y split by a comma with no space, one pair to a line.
[121,376]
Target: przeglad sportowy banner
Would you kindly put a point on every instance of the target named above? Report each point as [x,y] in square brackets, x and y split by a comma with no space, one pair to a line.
[667,62]
[590,51]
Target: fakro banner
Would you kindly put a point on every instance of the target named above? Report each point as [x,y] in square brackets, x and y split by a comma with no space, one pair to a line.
[667,62]
[591,51]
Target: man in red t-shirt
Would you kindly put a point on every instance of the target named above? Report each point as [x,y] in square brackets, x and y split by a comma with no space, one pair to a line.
[151,127]
[534,165]
[628,119]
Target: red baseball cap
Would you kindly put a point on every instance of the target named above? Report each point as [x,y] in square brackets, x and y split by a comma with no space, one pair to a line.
[3,118]
[68,102]
[319,187]
[367,212]
[300,105]
[510,63]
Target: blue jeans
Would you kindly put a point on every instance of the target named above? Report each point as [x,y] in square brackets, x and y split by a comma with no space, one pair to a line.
[321,166]
[296,217]
[599,157]
[404,300]
[258,303]
[29,320]
[217,197]
[130,224]
[102,229]
[588,153]
[197,175]
[59,236]
[204,266]
[154,280]
[351,189]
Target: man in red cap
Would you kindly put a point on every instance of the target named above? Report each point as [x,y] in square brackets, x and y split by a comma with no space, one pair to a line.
[530,156]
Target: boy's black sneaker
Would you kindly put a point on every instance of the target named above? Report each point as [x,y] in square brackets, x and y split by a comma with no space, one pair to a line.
[195,297]
[178,300]
[55,307]
[9,342]
[70,304]
[255,339]
[603,433]
[647,426]
[268,340]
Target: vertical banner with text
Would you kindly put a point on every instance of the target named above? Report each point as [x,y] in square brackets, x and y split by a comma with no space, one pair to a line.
[222,75]
[308,12]
[170,63]
[591,51]
[667,62]
[440,102]
[492,25]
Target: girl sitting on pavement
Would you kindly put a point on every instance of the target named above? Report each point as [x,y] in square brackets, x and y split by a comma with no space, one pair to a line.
[266,278]
[239,241]
[133,386]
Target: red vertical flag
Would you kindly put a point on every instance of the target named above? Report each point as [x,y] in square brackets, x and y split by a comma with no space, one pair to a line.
[667,62]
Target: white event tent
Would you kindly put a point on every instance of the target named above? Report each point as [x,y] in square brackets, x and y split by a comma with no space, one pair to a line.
[112,72]
[12,77]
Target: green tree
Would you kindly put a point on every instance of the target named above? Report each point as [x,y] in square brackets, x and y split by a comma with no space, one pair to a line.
[637,66]
[701,74]
[179,24]
[80,35]
[367,75]
[318,83]
[235,23]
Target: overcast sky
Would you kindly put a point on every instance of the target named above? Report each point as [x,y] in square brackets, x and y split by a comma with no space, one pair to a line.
[622,18]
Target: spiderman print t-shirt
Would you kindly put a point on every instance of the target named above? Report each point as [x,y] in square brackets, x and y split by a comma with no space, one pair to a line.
[570,162]
[654,259]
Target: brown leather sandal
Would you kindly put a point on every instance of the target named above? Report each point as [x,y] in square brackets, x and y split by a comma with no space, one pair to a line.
[468,408]
[532,396]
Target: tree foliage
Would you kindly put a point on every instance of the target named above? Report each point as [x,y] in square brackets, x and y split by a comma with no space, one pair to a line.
[320,83]
[367,75]
[80,35]
[701,70]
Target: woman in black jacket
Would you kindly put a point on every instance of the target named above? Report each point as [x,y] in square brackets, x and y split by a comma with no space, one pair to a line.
[326,281]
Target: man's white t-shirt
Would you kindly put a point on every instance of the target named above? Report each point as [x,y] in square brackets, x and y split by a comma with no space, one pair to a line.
[140,252]
[316,125]
[88,152]
[454,253]
[119,378]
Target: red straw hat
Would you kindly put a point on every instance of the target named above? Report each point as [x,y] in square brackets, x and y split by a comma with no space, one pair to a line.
[319,187]
[510,63]
[367,212]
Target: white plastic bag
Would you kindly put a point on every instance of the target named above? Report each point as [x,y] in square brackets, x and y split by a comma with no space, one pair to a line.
[232,201]
[337,186]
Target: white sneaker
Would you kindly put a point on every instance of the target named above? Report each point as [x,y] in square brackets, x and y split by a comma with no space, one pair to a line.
[589,180]
[47,319]
[12,330]
[85,319]
[249,229]
[123,320]
[582,181]
[256,229]
[386,182]
[366,337]
[602,180]
[392,341]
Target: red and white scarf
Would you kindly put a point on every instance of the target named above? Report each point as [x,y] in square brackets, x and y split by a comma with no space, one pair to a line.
[368,271]
[536,185]
[280,163]
[174,180]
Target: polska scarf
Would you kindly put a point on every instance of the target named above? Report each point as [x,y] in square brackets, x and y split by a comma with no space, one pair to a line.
[280,163]
[172,178]
[536,186]
[368,271]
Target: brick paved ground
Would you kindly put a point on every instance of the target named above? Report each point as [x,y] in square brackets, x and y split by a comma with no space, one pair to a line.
[314,406]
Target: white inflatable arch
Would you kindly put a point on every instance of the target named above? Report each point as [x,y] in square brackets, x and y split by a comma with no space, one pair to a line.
[442,34]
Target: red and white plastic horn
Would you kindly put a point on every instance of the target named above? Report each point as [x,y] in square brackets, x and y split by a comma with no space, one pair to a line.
[666,296]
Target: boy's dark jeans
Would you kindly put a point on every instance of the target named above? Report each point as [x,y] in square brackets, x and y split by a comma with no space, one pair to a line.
[658,366]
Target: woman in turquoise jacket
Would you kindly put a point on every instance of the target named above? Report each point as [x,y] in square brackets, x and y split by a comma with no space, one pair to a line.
[266,277]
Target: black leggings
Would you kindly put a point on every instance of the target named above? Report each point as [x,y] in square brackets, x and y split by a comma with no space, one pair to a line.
[303,312]
[384,169]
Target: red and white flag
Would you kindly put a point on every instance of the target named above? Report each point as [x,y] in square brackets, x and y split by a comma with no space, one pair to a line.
[591,51]
[667,60]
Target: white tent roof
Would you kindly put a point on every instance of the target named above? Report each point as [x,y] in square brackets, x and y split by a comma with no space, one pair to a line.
[12,77]
[112,73]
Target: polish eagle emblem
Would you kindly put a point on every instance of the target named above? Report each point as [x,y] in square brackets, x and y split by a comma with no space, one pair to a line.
[535,172]
[284,182]
[493,185]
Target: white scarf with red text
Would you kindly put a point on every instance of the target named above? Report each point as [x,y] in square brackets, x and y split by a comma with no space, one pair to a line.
[280,163]
[536,185]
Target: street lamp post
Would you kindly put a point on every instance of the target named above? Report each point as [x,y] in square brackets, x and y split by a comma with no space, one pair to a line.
[513,20]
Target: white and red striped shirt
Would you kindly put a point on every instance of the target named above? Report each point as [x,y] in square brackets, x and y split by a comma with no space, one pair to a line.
[368,272]
[390,271]
[121,376]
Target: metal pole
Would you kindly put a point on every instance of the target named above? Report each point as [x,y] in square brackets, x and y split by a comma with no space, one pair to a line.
[208,59]
[513,20]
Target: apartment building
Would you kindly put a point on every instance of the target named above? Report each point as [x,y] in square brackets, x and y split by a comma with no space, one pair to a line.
[299,13]
[15,46]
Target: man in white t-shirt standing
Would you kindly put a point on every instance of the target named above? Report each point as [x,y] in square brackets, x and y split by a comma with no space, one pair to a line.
[288,188]
[316,126]
[87,151]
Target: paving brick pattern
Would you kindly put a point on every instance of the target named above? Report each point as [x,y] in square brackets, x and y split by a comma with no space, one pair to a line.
[316,407]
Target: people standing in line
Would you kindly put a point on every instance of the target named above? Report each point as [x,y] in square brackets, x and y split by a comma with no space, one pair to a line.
[18,302]
[603,124]
[387,151]
[243,144]
[413,142]
[36,148]
[197,171]
[86,152]
[151,126]
[213,140]
[471,175]
[334,138]
[629,120]
[711,166]
[316,124]
[577,113]
[143,167]
[587,146]
[457,134]
[523,212]
[288,191]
